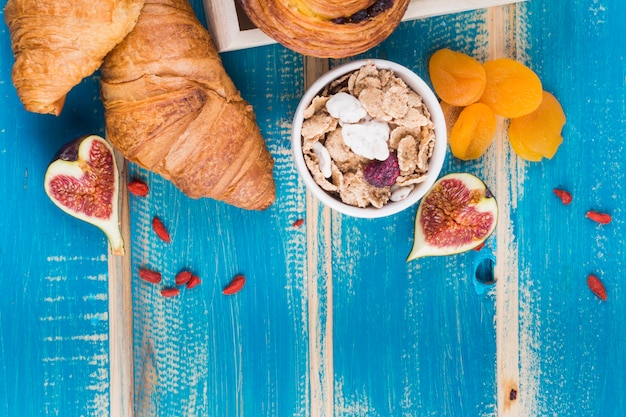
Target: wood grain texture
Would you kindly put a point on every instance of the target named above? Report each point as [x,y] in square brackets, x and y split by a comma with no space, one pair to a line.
[572,344]
[54,312]
[331,321]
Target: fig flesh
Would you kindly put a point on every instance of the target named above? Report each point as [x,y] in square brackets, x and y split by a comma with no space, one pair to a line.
[457,214]
[83,181]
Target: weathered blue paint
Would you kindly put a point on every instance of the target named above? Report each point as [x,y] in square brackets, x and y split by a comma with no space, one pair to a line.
[332,321]
[54,357]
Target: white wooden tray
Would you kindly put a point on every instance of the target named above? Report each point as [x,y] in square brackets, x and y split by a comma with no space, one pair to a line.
[231,29]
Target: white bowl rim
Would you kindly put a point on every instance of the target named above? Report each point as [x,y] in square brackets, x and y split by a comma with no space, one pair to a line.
[436,160]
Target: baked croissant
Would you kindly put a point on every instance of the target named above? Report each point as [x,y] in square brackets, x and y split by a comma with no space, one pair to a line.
[171,108]
[58,43]
[326,28]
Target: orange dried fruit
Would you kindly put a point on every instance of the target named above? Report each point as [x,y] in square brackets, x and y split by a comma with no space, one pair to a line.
[457,78]
[450,115]
[539,133]
[473,131]
[512,89]
[522,151]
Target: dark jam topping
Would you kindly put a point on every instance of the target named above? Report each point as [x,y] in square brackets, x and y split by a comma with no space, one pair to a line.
[362,15]
[379,7]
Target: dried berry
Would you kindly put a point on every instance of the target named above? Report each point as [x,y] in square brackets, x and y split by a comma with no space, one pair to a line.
[170,292]
[235,285]
[382,173]
[602,218]
[194,282]
[596,286]
[360,16]
[298,223]
[138,188]
[183,277]
[160,230]
[340,20]
[150,276]
[565,196]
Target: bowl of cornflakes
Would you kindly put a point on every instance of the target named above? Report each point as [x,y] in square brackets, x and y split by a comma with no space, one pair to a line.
[369,138]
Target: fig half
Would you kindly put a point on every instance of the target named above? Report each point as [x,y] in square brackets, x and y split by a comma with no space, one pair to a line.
[83,181]
[457,214]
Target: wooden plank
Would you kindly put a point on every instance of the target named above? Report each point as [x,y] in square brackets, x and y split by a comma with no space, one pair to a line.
[407,335]
[207,353]
[54,316]
[121,313]
[572,345]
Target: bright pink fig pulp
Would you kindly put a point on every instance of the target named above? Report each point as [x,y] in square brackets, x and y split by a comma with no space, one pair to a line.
[457,214]
[83,181]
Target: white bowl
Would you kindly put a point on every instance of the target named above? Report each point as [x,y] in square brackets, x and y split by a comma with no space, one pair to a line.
[436,160]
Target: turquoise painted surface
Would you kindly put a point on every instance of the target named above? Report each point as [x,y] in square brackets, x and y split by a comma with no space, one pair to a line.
[332,321]
[53,269]
[574,362]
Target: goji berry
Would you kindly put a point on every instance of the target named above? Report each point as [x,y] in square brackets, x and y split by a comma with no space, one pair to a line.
[596,286]
[194,282]
[565,196]
[298,223]
[479,247]
[160,230]
[150,276]
[170,292]
[183,277]
[235,285]
[602,218]
[138,188]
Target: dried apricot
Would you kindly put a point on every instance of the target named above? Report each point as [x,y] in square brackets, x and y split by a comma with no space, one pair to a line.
[512,89]
[457,78]
[540,131]
[522,151]
[450,115]
[473,131]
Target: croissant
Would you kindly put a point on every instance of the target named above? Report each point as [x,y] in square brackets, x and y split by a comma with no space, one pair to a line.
[58,43]
[171,108]
[326,28]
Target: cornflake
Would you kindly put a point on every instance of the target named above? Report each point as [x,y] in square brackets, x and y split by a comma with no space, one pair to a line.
[385,98]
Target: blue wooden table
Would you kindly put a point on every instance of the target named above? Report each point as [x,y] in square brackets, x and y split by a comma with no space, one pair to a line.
[332,321]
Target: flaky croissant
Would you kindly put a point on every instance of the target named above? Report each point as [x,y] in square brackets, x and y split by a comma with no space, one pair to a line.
[171,108]
[58,43]
[326,28]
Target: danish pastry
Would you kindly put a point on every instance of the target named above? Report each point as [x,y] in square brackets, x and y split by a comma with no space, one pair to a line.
[326,28]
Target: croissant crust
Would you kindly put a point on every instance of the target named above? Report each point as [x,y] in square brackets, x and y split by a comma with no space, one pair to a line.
[326,28]
[58,43]
[171,108]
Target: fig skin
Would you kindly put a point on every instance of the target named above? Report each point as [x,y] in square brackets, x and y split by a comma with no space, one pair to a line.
[457,214]
[83,181]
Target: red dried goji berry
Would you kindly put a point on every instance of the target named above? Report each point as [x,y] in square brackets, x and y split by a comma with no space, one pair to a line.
[160,230]
[183,277]
[565,196]
[298,223]
[479,247]
[194,282]
[602,218]
[170,292]
[235,285]
[138,188]
[596,286]
[150,276]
